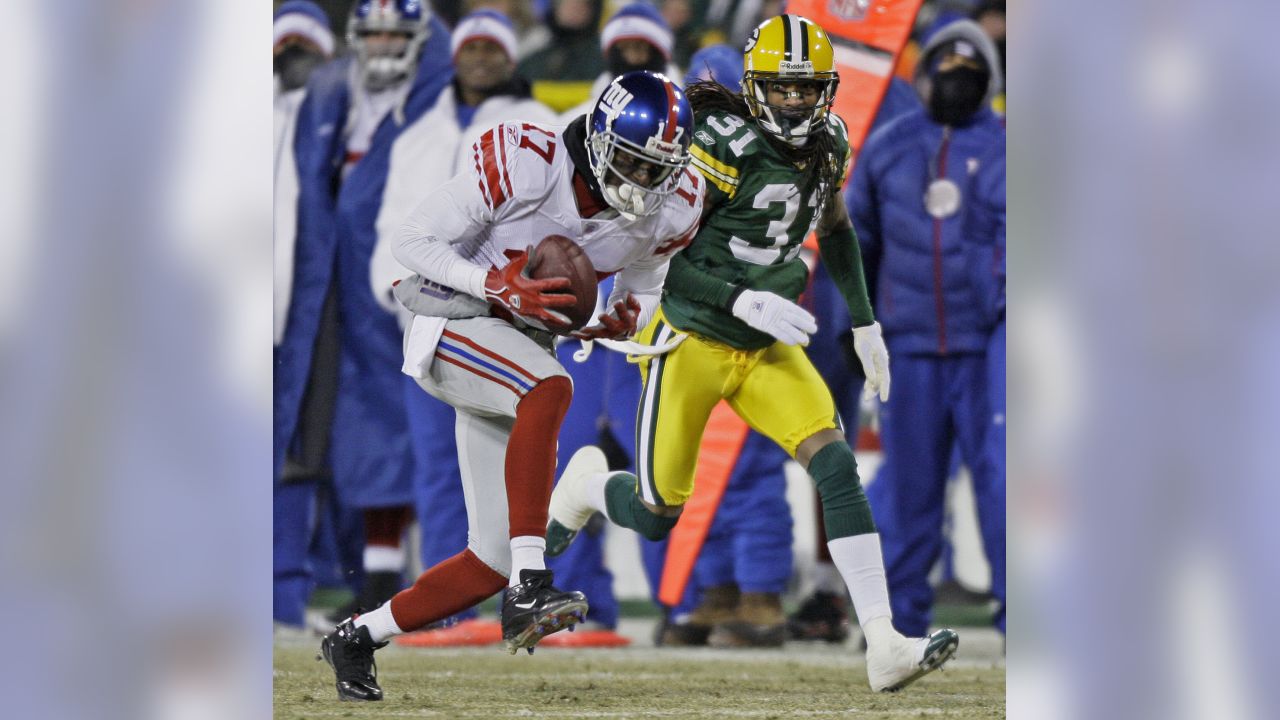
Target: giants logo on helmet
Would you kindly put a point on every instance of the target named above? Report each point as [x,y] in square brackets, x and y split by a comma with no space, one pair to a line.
[615,100]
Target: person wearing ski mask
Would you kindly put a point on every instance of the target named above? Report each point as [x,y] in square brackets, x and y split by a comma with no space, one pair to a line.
[914,184]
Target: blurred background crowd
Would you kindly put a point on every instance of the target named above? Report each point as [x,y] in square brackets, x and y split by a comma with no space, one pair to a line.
[370,117]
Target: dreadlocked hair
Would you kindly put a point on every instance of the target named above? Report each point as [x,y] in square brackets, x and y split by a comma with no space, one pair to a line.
[820,154]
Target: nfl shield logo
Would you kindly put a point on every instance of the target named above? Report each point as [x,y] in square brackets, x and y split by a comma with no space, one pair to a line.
[849,9]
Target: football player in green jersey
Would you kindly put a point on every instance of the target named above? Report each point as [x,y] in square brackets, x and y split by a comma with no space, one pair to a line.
[774,158]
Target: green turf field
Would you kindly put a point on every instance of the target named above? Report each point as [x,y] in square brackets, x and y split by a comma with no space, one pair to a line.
[800,681]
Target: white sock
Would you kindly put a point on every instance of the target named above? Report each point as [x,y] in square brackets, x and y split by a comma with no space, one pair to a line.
[382,558]
[879,632]
[526,554]
[826,578]
[381,623]
[595,491]
[859,561]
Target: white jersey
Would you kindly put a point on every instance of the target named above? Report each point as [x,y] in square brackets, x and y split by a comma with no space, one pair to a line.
[520,190]
[425,155]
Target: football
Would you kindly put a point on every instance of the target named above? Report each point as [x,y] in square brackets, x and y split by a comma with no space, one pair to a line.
[558,256]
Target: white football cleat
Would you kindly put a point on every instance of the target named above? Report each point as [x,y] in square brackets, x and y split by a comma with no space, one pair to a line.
[569,509]
[889,669]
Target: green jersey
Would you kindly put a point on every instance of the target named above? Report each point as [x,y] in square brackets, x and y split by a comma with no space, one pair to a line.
[763,208]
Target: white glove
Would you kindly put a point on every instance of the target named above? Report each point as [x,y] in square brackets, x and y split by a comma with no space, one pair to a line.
[775,315]
[874,357]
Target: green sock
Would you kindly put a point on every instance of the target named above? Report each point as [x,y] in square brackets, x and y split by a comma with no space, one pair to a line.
[845,509]
[626,508]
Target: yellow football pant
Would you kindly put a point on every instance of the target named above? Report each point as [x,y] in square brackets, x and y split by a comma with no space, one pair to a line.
[776,390]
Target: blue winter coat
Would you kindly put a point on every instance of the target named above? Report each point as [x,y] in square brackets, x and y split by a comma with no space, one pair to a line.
[336,237]
[917,266]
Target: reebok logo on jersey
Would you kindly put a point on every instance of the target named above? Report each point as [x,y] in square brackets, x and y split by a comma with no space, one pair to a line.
[705,137]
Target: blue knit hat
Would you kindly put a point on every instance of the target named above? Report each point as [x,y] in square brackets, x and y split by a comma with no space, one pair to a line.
[304,19]
[488,25]
[638,21]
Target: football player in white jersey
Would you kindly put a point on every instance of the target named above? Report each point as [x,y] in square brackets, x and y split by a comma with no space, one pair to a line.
[617,183]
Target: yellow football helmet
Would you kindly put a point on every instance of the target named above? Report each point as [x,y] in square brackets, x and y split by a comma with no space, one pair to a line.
[790,49]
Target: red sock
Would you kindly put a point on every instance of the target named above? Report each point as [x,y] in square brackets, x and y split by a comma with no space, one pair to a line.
[447,588]
[531,454]
[385,526]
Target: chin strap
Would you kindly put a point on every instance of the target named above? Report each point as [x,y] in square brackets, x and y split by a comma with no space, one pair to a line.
[634,351]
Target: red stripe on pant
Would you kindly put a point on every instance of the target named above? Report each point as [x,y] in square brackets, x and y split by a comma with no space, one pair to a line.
[508,364]
[531,454]
[486,376]
[446,589]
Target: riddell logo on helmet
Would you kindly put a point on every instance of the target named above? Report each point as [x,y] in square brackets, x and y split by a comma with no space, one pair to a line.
[664,149]
[788,66]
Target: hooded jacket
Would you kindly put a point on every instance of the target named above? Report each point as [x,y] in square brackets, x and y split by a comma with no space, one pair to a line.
[917,265]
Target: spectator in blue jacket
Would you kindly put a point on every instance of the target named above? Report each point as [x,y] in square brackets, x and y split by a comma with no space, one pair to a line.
[355,106]
[912,188]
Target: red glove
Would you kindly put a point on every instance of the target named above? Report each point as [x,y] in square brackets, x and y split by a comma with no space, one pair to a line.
[512,289]
[617,324]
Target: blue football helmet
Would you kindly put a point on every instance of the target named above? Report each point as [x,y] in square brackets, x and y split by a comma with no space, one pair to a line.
[383,64]
[721,63]
[641,121]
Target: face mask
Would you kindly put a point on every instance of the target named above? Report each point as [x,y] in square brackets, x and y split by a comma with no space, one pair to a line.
[957,94]
[1000,51]
[294,65]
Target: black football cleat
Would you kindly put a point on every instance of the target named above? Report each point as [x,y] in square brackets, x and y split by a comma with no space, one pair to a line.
[535,609]
[349,651]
